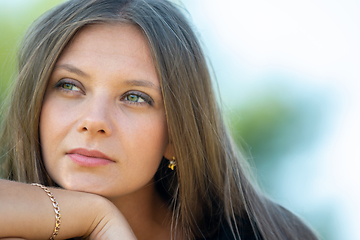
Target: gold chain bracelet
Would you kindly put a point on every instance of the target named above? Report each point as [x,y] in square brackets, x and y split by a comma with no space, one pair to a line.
[56,209]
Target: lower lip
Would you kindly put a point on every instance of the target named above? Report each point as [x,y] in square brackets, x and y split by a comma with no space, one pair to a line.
[88,161]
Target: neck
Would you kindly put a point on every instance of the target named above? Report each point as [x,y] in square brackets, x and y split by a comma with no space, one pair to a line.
[146,212]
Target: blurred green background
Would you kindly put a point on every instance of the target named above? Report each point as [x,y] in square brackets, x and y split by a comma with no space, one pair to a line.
[15,17]
[278,120]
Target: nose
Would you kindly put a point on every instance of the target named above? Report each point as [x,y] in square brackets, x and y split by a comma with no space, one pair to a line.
[96,119]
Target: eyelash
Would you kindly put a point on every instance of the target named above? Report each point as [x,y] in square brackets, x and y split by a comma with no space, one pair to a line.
[146,99]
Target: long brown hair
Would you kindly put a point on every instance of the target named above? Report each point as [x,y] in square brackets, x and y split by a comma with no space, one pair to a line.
[211,185]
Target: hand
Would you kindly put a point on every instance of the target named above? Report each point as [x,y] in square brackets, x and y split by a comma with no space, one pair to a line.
[111,225]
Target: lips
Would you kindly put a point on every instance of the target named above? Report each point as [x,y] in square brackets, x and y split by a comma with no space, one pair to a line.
[88,158]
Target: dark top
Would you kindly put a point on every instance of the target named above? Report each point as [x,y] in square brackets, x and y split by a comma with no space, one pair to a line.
[245,230]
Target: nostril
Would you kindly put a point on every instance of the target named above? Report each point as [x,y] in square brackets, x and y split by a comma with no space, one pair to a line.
[94,126]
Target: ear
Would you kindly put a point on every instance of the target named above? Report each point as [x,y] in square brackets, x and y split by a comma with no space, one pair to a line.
[169,152]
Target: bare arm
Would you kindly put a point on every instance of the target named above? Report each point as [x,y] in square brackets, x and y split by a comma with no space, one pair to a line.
[26,212]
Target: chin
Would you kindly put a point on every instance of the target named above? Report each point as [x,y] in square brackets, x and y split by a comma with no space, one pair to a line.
[88,185]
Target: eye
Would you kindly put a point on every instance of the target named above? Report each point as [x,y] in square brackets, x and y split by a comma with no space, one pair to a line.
[68,86]
[134,98]
[137,98]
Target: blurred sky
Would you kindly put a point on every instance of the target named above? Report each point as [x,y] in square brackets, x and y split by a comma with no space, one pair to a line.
[305,49]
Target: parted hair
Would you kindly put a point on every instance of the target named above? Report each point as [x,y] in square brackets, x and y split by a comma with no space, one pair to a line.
[211,185]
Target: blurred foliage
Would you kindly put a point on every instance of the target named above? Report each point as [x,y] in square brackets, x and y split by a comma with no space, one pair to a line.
[260,123]
[15,17]
[272,128]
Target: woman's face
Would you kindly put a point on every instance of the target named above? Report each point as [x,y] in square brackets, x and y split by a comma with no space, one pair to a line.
[102,125]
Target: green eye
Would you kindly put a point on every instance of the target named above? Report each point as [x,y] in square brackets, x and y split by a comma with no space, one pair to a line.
[134,98]
[137,98]
[68,86]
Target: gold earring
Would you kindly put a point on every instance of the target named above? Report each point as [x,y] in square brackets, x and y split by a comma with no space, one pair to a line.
[172,164]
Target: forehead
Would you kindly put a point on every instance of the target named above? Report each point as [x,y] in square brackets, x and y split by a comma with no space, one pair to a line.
[110,49]
[111,39]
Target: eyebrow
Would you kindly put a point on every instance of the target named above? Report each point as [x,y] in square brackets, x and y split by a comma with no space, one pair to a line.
[72,69]
[140,83]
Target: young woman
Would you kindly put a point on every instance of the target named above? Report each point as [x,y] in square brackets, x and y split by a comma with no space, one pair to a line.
[113,110]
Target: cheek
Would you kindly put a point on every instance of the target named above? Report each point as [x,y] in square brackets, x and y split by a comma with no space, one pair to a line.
[56,119]
[47,121]
[144,144]
[46,136]
[145,137]
[45,126]
[53,127]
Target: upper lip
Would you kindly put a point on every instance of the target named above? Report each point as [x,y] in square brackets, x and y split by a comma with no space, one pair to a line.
[89,153]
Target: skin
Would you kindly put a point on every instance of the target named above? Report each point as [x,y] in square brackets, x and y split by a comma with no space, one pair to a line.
[27,213]
[104,95]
